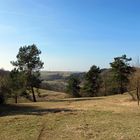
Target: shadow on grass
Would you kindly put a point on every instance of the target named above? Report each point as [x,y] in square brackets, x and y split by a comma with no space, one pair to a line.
[11,109]
[75,99]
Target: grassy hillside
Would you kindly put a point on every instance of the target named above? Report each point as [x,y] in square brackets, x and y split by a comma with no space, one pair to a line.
[44,95]
[104,118]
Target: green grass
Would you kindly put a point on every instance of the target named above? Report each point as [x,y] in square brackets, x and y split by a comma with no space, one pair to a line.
[104,118]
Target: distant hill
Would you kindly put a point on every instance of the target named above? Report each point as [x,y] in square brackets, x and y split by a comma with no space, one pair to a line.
[58,75]
[57,80]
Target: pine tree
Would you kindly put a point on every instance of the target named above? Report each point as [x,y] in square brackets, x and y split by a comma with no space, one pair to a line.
[74,86]
[121,70]
[93,81]
[28,61]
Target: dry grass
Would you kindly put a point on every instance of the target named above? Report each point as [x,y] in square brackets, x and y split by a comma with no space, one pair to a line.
[52,94]
[104,118]
[45,95]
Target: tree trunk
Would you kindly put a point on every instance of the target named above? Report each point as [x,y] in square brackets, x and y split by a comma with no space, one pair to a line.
[16,99]
[105,88]
[138,98]
[121,87]
[34,98]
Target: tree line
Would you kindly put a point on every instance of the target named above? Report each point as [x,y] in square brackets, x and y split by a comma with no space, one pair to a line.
[24,79]
[98,84]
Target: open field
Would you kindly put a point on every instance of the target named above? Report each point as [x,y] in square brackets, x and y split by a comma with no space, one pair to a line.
[103,118]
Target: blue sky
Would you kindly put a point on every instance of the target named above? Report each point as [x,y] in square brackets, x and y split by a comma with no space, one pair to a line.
[72,34]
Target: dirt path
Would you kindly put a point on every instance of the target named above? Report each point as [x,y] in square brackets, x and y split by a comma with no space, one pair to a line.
[42,131]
